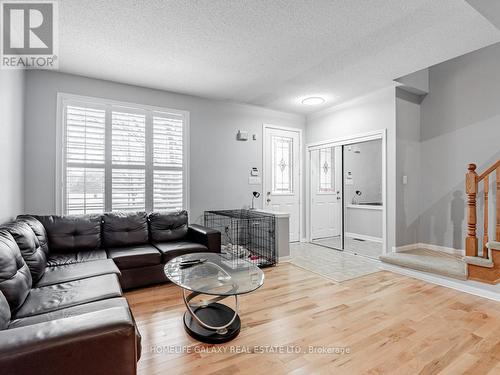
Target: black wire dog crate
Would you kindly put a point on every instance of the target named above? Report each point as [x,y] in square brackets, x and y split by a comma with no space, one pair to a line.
[246,234]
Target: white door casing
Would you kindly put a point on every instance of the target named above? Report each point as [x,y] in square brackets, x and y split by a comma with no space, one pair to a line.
[282,179]
[326,192]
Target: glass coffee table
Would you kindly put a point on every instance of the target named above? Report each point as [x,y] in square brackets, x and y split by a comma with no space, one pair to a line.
[219,276]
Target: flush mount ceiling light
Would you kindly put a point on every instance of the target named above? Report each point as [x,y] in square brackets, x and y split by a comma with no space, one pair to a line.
[313,100]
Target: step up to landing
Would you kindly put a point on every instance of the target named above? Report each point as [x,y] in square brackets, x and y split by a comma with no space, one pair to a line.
[486,270]
[429,261]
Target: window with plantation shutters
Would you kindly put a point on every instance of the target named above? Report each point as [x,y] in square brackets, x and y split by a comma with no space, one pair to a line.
[119,157]
[167,161]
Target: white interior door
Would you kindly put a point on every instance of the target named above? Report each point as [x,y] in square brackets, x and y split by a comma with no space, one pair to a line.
[326,192]
[282,175]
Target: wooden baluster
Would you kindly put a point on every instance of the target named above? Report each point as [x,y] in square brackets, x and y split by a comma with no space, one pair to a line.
[471,190]
[498,204]
[485,220]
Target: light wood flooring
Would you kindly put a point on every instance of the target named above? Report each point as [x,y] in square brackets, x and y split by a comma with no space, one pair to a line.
[388,323]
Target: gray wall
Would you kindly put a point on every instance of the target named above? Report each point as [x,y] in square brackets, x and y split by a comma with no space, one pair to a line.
[371,112]
[407,164]
[460,124]
[220,165]
[12,89]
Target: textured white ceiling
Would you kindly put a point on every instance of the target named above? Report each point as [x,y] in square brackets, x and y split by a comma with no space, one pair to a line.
[265,52]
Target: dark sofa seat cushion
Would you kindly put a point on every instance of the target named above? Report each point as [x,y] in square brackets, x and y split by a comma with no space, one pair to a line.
[121,229]
[31,251]
[60,259]
[135,256]
[70,311]
[72,233]
[168,226]
[15,276]
[76,271]
[73,293]
[75,311]
[170,250]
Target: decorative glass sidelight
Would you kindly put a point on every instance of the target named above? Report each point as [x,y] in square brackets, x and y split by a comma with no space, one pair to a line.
[326,163]
[282,159]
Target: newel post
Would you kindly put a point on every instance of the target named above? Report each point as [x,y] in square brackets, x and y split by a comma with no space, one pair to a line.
[471,190]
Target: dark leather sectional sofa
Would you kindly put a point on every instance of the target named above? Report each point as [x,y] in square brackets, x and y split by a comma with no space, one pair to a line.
[62,308]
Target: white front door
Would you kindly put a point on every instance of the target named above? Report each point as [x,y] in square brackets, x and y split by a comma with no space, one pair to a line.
[282,175]
[326,192]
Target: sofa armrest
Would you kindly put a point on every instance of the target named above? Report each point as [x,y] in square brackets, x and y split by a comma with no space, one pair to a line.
[205,236]
[101,342]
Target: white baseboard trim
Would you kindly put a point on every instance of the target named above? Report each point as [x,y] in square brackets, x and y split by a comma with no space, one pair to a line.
[428,246]
[467,286]
[287,258]
[363,237]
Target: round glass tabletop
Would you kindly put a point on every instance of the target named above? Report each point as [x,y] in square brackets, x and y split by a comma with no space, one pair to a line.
[216,274]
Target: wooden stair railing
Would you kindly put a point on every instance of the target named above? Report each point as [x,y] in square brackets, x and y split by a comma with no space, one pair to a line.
[472,181]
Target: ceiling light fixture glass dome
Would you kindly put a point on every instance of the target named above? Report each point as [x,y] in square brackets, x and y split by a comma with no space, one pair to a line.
[313,100]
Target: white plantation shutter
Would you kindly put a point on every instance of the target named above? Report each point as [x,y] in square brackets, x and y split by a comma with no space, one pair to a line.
[85,135]
[85,157]
[168,141]
[167,190]
[128,151]
[122,158]
[128,190]
[128,138]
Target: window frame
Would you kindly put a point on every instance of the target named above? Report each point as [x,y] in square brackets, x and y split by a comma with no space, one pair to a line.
[64,99]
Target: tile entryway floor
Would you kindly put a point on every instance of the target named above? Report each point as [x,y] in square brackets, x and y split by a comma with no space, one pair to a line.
[334,264]
[367,248]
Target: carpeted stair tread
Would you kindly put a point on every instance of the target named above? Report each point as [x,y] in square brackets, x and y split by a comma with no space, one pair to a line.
[429,261]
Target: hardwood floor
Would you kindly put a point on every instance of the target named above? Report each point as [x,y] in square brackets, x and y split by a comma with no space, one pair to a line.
[389,323]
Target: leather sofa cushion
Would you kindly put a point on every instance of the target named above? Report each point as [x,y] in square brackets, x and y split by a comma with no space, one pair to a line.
[76,311]
[125,229]
[31,251]
[71,233]
[37,228]
[76,271]
[170,250]
[70,311]
[135,256]
[4,312]
[77,257]
[73,293]
[15,276]
[168,226]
